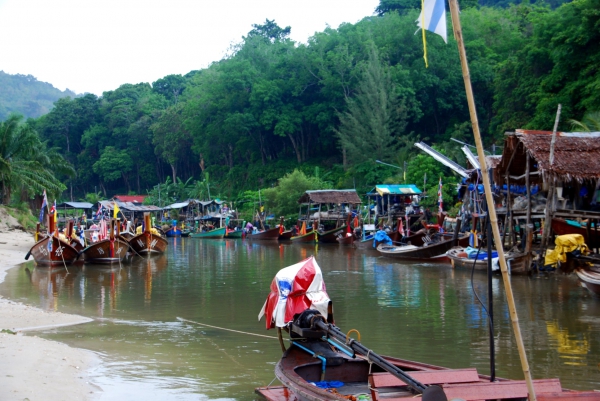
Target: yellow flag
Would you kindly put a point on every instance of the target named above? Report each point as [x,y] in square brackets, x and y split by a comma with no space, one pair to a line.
[116,211]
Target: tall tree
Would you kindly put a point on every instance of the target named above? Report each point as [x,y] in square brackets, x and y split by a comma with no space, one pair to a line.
[375,115]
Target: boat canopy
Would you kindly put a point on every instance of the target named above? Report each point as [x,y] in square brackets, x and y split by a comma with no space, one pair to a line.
[400,189]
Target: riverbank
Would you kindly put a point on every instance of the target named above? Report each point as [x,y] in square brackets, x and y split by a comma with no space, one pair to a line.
[34,368]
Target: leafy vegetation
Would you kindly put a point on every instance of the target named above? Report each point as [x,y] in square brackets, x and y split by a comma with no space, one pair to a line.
[273,110]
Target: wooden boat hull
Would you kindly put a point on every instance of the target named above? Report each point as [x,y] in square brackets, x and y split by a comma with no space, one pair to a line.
[414,239]
[173,232]
[346,240]
[308,237]
[285,236]
[100,252]
[434,251]
[331,236]
[297,370]
[147,243]
[271,234]
[519,263]
[217,233]
[561,227]
[60,253]
[590,280]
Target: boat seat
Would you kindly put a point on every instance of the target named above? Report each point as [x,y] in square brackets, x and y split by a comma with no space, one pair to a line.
[382,384]
[567,395]
[500,390]
[474,390]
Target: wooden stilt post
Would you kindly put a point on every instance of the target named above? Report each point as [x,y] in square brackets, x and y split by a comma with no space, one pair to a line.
[489,197]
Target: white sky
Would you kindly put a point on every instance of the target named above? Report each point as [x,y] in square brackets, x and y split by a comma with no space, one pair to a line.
[98,45]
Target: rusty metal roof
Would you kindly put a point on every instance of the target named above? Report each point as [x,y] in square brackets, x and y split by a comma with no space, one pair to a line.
[330,196]
[576,155]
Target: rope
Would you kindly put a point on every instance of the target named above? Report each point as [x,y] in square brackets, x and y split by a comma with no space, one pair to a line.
[62,255]
[223,328]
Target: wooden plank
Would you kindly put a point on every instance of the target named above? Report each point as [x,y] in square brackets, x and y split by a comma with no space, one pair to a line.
[500,390]
[571,395]
[274,393]
[385,379]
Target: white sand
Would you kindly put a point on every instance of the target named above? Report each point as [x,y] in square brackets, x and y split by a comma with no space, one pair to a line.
[31,367]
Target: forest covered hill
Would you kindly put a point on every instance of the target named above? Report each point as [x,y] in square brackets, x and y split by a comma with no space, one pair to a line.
[331,107]
[25,95]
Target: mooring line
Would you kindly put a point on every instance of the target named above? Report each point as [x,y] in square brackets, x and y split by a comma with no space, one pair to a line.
[223,328]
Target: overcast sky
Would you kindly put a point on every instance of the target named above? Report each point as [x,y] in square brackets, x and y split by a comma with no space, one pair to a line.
[95,46]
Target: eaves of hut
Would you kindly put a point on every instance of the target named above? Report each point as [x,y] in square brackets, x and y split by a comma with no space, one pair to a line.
[576,157]
[330,196]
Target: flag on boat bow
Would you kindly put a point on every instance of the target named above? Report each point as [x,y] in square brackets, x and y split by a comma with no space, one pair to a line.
[44,206]
[116,211]
[293,290]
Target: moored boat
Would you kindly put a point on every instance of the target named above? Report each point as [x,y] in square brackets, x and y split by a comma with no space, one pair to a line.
[564,227]
[589,278]
[50,250]
[433,251]
[174,231]
[148,243]
[331,236]
[107,251]
[234,234]
[310,236]
[519,263]
[217,233]
[271,234]
[324,363]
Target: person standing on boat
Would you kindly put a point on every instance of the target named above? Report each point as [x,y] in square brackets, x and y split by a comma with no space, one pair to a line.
[249,228]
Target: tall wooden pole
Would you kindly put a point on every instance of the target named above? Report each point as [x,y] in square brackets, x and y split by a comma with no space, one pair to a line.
[488,195]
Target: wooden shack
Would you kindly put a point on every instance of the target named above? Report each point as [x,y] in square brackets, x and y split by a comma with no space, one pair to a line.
[561,172]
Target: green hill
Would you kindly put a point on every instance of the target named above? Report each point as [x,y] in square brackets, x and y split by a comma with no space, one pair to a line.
[24,94]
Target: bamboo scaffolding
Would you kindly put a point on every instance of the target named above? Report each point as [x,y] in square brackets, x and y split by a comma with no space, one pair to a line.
[488,195]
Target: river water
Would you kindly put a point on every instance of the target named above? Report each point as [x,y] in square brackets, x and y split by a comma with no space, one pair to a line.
[424,312]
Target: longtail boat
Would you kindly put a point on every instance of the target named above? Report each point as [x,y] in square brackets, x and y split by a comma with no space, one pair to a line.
[590,279]
[519,263]
[310,236]
[331,236]
[50,250]
[148,243]
[435,250]
[107,251]
[217,233]
[233,234]
[271,234]
[323,363]
[174,231]
[563,227]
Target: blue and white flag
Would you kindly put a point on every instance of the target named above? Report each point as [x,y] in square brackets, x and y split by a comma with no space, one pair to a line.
[44,205]
[433,17]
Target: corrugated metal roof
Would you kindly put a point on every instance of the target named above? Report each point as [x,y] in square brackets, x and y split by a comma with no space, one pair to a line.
[330,196]
[130,198]
[74,205]
[129,206]
[399,189]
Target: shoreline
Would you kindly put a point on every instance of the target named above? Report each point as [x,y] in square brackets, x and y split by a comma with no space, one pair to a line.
[32,367]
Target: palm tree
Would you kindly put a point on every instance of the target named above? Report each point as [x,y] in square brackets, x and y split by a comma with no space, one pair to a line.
[25,163]
[589,123]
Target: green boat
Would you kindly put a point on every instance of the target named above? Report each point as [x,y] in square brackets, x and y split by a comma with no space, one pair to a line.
[234,234]
[217,233]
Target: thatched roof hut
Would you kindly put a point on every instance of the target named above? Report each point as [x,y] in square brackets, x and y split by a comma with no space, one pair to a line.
[576,156]
[330,196]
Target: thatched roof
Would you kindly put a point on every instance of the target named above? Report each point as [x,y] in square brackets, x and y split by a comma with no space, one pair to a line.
[576,155]
[330,196]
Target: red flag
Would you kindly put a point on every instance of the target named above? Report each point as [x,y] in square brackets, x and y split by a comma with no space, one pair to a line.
[293,290]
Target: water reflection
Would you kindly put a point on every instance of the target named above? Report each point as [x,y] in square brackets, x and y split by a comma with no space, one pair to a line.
[425,312]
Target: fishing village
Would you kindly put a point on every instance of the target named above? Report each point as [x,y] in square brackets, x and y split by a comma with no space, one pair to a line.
[375,214]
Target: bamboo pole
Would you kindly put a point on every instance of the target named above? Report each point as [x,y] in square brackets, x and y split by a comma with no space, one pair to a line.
[488,194]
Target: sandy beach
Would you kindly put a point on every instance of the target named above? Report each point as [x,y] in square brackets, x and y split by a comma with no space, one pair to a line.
[33,368]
